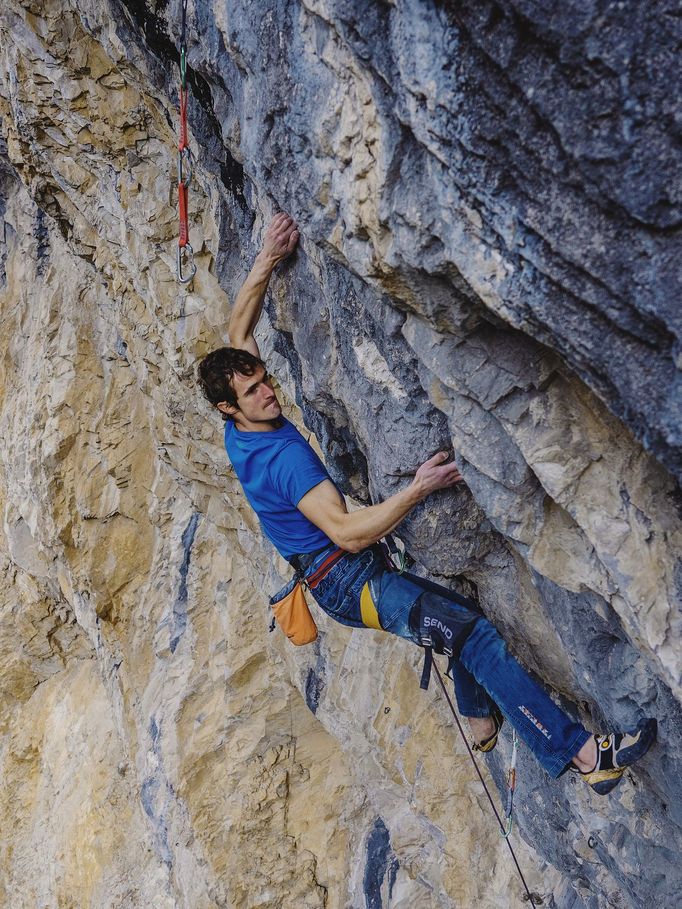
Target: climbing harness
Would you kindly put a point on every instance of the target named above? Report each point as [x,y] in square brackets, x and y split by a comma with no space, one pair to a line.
[438,630]
[184,165]
[503,828]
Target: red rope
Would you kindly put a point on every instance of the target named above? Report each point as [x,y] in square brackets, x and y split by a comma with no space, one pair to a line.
[182,205]
[183,142]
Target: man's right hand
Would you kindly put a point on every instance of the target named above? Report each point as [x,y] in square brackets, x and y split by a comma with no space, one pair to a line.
[280,239]
[435,474]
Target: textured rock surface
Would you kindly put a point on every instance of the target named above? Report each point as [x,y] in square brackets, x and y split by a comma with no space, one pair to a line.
[489,200]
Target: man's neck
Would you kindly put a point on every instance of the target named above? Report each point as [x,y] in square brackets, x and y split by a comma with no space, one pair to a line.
[260,426]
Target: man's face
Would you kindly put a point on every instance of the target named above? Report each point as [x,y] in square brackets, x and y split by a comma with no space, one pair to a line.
[258,404]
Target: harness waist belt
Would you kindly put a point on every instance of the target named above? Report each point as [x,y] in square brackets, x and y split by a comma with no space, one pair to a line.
[323,570]
[301,563]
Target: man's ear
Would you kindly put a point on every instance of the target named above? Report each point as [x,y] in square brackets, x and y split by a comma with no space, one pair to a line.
[226,408]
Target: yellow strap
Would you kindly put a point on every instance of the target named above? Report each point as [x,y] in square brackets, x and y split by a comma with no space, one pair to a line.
[368,611]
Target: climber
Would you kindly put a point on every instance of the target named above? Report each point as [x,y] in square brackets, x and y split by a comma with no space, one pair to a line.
[305,517]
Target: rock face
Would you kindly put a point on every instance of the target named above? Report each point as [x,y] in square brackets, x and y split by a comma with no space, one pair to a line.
[489,201]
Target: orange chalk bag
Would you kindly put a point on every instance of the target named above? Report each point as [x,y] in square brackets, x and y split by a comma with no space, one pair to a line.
[290,608]
[292,614]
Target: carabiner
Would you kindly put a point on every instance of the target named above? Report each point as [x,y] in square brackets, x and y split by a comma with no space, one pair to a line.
[185,279]
[183,66]
[185,172]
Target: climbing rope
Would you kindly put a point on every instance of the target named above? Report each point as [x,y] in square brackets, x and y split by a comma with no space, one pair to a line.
[184,164]
[503,827]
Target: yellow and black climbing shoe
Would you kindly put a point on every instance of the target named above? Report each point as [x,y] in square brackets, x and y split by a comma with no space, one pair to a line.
[617,751]
[488,744]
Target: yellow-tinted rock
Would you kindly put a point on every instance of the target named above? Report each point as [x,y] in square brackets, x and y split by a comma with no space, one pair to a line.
[159,747]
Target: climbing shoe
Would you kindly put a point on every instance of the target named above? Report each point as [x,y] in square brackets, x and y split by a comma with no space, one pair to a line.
[488,744]
[616,752]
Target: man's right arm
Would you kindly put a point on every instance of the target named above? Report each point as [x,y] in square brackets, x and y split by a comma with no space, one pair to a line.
[326,509]
[280,241]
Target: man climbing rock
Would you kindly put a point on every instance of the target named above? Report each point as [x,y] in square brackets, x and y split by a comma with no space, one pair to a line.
[305,517]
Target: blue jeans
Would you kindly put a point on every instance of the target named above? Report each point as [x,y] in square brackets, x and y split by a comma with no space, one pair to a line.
[485,672]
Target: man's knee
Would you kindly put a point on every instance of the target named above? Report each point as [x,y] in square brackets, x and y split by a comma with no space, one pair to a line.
[435,622]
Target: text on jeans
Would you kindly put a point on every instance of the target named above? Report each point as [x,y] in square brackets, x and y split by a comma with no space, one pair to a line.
[538,725]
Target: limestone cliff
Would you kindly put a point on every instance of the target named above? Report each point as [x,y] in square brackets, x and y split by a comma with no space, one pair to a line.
[489,200]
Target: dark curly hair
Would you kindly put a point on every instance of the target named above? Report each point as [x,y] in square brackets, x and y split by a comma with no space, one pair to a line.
[215,372]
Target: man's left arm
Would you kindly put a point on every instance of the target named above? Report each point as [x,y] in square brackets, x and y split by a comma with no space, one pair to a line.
[280,241]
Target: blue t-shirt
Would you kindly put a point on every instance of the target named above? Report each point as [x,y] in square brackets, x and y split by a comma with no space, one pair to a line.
[277,469]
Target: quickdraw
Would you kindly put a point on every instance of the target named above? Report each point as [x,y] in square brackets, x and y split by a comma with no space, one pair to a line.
[511,788]
[184,165]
